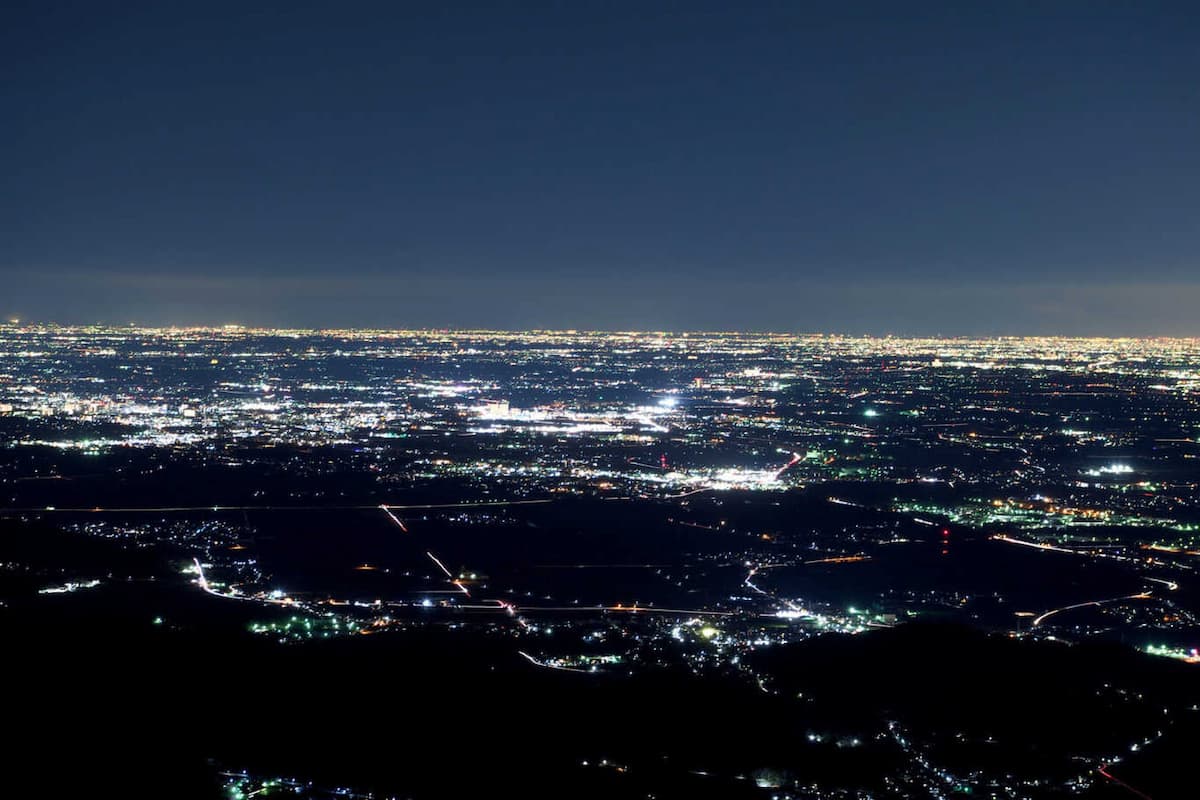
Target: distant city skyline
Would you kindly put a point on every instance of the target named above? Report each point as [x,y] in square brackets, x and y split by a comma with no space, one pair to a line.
[911,311]
[921,169]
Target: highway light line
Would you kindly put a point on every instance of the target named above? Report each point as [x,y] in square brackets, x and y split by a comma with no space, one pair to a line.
[449,575]
[220,508]
[395,519]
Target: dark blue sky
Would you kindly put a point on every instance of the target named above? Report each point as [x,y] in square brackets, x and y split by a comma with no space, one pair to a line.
[951,168]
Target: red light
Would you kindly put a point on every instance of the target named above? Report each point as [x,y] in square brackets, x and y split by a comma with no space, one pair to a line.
[945,531]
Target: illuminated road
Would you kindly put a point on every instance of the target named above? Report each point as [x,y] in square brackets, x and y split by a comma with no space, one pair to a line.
[1103,770]
[1000,537]
[623,609]
[840,559]
[544,665]
[688,493]
[1143,595]
[796,459]
[395,519]
[202,581]
[1086,551]
[449,575]
[599,566]
[837,501]
[1171,585]
[1139,596]
[181,509]
[790,605]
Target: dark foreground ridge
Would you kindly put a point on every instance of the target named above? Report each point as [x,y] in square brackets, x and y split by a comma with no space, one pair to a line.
[110,704]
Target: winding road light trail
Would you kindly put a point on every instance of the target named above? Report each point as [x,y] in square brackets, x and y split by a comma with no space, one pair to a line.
[543,664]
[791,607]
[1139,596]
[1171,585]
[202,582]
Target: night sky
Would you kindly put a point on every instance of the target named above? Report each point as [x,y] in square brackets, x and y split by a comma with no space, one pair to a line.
[908,168]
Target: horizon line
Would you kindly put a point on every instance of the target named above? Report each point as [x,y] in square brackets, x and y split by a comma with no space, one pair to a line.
[19,325]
